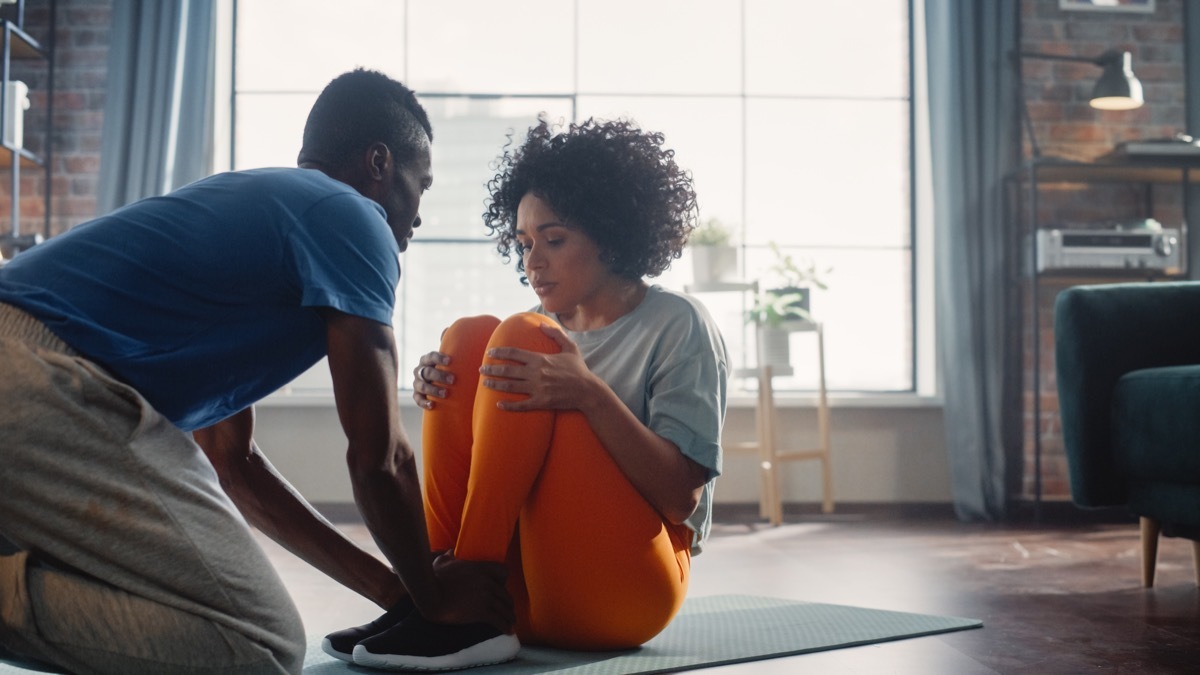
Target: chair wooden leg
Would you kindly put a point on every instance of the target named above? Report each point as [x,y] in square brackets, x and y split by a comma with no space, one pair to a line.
[765,499]
[776,495]
[1196,559]
[823,427]
[760,443]
[826,484]
[1150,532]
[767,442]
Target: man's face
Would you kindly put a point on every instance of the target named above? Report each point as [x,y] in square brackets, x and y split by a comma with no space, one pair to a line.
[402,201]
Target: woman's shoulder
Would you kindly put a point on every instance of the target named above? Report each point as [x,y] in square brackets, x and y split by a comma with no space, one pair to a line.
[669,303]
[680,317]
[682,326]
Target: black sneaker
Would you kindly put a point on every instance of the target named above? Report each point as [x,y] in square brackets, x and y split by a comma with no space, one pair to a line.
[420,644]
[340,645]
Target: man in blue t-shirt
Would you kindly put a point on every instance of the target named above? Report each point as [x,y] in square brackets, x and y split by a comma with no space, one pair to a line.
[133,348]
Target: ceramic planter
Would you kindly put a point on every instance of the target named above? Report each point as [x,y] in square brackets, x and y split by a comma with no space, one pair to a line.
[774,348]
[713,263]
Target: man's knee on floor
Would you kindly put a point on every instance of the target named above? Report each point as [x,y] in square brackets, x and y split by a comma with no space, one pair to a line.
[290,650]
[280,650]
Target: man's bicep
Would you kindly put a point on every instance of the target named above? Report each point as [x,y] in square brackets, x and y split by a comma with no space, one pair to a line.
[362,364]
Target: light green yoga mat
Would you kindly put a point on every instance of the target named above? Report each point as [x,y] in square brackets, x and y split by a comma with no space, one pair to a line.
[709,631]
[713,631]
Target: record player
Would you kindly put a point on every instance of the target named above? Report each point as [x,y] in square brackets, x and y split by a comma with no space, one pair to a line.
[1179,146]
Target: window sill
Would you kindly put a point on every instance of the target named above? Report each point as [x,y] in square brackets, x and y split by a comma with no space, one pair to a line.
[739,399]
[748,399]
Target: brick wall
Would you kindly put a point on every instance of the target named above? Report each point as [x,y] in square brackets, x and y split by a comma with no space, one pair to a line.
[1066,126]
[81,52]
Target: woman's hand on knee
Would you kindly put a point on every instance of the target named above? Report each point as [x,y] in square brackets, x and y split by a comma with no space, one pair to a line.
[560,381]
[429,382]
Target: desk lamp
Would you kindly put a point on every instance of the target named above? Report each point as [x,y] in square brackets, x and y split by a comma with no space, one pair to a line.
[1117,89]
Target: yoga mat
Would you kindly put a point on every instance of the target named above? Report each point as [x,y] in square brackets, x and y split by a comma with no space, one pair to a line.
[709,631]
[714,631]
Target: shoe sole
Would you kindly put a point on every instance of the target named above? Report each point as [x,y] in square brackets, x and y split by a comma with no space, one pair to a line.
[327,647]
[489,652]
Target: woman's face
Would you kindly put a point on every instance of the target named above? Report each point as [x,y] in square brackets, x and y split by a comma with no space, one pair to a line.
[561,261]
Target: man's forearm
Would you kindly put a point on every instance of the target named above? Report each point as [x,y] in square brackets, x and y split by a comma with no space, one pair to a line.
[389,499]
[272,505]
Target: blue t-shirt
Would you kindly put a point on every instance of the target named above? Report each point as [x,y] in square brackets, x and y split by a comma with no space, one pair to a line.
[204,299]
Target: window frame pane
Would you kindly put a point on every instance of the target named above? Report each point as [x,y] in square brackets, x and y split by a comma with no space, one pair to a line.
[735,180]
[524,57]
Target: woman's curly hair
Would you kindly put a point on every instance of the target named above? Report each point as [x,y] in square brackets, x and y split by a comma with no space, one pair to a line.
[610,178]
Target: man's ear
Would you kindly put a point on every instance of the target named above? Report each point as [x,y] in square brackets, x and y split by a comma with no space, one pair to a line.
[379,160]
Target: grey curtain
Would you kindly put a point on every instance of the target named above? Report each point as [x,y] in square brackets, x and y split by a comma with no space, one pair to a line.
[974,140]
[158,114]
[1191,68]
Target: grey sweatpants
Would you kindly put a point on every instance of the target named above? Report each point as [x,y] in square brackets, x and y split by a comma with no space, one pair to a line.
[134,560]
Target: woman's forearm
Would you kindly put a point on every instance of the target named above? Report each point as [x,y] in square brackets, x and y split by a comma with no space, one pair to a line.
[654,465]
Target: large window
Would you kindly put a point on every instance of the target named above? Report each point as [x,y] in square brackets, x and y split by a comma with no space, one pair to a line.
[794,118]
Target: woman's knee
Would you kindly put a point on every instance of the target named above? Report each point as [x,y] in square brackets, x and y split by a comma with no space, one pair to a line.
[524,330]
[464,342]
[468,330]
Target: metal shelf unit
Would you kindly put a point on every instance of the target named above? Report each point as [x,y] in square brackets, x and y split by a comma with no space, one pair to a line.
[1029,180]
[16,44]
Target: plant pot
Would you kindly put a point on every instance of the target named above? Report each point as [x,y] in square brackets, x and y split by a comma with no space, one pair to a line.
[774,348]
[713,263]
[803,303]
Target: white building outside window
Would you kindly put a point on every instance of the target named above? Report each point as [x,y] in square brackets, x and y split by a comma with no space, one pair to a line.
[792,115]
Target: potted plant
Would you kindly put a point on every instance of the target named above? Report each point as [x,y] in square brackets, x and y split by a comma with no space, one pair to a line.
[714,258]
[787,300]
[769,314]
[773,308]
[795,277]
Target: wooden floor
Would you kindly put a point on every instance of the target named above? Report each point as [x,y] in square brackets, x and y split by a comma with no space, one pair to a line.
[1054,597]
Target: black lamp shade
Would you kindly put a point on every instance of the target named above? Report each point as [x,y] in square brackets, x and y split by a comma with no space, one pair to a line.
[1118,88]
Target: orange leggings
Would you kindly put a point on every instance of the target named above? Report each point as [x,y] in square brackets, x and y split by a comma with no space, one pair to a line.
[592,565]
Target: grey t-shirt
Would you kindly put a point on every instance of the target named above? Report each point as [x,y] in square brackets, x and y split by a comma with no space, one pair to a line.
[666,361]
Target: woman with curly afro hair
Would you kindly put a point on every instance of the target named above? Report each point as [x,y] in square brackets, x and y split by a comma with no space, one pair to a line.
[577,443]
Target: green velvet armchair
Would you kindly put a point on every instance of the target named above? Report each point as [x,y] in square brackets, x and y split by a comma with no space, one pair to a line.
[1128,366]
